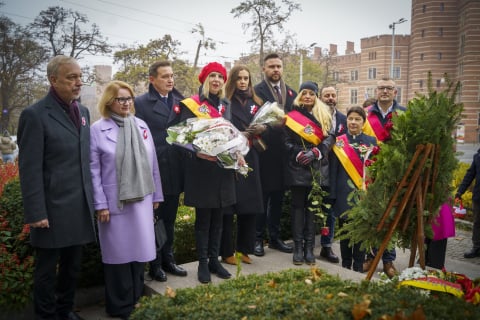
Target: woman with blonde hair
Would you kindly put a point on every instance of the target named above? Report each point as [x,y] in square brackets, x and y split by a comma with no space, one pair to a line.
[308,140]
[208,187]
[127,188]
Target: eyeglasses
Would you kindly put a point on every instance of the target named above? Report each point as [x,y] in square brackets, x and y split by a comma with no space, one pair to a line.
[124,100]
[386,88]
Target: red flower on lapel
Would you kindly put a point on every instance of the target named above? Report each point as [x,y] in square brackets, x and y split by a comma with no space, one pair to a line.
[253,109]
[145,136]
[176,109]
[290,93]
[84,122]
[221,109]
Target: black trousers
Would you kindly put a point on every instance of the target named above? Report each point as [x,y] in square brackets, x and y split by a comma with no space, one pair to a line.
[167,211]
[54,291]
[244,236]
[123,287]
[270,218]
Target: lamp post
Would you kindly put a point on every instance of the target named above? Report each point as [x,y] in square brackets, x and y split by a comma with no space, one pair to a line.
[300,78]
[392,26]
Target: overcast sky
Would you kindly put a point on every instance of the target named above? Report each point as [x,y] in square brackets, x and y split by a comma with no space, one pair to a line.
[320,21]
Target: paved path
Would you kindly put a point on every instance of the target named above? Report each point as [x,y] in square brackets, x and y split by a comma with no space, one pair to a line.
[276,261]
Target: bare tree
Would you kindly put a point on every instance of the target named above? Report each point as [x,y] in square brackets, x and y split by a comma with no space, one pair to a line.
[206,43]
[64,32]
[265,15]
[20,58]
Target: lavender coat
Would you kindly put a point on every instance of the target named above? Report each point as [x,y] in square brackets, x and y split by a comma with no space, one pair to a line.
[129,235]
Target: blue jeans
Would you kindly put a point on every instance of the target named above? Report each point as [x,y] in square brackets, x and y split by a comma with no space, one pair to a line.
[8,158]
[388,255]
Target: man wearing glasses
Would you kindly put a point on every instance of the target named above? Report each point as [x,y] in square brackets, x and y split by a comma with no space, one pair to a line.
[378,124]
[159,108]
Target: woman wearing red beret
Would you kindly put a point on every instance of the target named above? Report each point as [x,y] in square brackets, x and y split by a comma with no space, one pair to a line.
[208,187]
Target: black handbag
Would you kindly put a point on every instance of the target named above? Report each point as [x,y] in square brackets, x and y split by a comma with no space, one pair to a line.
[160,234]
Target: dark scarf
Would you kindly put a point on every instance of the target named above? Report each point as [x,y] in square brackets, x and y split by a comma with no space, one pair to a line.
[243,95]
[71,109]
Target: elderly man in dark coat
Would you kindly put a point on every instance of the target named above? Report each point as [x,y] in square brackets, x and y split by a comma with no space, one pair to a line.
[54,138]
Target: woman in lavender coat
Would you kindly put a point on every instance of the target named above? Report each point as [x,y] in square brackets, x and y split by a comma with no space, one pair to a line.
[127,188]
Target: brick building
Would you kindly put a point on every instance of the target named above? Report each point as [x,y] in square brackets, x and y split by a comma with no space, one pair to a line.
[445,39]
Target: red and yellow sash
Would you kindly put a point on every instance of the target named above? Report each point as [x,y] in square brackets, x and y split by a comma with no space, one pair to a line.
[373,127]
[350,160]
[304,127]
[201,109]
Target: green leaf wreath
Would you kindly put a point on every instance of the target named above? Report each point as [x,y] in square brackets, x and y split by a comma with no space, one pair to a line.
[430,118]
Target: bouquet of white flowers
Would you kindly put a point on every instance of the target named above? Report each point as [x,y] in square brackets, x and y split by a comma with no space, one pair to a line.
[269,113]
[216,137]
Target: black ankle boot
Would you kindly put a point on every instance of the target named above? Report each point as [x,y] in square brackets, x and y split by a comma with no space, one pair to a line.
[216,267]
[203,272]
[298,253]
[309,257]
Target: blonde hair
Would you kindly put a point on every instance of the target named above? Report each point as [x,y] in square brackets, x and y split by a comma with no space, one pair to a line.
[320,111]
[109,95]
[206,88]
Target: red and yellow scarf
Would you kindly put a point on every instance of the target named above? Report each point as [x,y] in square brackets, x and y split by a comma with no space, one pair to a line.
[304,127]
[350,160]
[201,109]
[373,127]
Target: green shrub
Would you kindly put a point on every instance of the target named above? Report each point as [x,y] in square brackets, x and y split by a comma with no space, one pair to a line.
[458,175]
[302,294]
[16,254]
[184,241]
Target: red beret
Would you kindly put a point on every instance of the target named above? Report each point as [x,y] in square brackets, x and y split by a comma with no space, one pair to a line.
[212,67]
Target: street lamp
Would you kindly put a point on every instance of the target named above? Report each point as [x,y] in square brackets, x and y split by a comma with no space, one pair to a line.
[300,79]
[392,26]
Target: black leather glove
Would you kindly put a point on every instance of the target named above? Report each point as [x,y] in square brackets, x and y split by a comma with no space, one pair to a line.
[256,129]
[308,156]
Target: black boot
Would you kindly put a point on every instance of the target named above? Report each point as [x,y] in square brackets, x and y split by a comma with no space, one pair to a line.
[309,237]
[298,253]
[201,238]
[155,271]
[215,237]
[308,252]
[297,231]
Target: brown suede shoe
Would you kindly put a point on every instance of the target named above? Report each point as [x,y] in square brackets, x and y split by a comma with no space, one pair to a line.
[367,264]
[246,259]
[389,269]
[230,260]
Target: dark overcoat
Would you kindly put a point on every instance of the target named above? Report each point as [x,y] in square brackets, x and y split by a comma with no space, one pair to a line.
[248,189]
[271,161]
[55,174]
[207,185]
[297,174]
[339,186]
[159,117]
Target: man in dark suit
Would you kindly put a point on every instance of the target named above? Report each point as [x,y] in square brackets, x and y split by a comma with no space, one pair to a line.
[54,143]
[272,89]
[328,95]
[159,108]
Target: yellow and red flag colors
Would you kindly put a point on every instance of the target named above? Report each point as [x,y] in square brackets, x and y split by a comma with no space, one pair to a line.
[304,127]
[201,110]
[350,160]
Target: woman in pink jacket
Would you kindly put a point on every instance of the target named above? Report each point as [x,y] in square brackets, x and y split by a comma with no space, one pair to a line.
[127,187]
